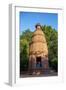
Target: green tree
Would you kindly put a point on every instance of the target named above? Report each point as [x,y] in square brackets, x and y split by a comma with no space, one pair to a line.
[52,42]
[23,55]
[27,34]
[25,39]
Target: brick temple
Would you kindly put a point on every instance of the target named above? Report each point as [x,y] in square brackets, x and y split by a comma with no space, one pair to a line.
[38,52]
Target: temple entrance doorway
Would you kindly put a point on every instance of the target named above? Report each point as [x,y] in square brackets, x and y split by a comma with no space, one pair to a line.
[38,62]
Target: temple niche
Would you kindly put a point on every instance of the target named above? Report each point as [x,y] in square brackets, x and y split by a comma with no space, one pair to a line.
[38,52]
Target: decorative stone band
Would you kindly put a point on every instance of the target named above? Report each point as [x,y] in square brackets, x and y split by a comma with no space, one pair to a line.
[37,42]
[38,53]
[37,34]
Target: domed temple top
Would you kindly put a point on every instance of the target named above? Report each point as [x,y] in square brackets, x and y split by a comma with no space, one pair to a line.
[38,45]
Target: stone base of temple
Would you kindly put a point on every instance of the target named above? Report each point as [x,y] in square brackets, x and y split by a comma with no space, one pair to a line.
[38,71]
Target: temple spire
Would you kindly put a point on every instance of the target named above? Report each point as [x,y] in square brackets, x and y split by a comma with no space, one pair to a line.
[38,52]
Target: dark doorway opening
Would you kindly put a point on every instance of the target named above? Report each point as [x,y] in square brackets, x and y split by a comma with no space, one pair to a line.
[38,62]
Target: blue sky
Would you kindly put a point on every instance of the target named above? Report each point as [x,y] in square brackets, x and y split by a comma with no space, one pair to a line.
[28,20]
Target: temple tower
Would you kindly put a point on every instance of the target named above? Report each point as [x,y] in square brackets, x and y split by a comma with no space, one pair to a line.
[38,52]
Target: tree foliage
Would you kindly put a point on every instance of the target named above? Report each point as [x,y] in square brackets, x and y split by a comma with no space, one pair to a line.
[23,54]
[52,42]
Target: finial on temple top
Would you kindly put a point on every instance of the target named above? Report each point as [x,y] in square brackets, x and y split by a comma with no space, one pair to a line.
[38,26]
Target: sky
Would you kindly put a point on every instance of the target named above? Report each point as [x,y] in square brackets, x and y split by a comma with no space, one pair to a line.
[28,20]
